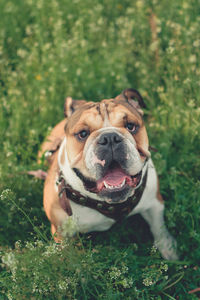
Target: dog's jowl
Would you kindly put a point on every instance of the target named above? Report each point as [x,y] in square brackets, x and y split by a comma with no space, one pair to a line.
[101,171]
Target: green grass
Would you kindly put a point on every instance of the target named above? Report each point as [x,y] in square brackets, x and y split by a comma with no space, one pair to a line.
[92,50]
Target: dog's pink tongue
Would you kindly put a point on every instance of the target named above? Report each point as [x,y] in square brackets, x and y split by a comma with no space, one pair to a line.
[115,177]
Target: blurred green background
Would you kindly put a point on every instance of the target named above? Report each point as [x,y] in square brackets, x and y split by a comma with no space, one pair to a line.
[93,50]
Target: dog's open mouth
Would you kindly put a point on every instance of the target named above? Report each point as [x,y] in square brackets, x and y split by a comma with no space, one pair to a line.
[116,179]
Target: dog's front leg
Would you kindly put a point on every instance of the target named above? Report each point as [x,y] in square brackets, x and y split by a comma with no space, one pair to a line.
[162,238]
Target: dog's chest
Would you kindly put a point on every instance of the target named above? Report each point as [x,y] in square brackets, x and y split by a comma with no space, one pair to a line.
[88,219]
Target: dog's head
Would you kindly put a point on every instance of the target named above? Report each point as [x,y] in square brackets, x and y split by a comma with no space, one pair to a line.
[107,144]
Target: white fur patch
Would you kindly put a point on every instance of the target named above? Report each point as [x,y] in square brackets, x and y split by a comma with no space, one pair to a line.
[70,177]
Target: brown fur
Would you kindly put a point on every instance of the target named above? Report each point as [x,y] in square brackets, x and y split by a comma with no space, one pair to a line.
[51,203]
[53,141]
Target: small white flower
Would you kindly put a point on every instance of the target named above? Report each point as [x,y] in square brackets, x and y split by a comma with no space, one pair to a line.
[192,58]
[62,285]
[69,227]
[7,193]
[170,49]
[78,72]
[160,89]
[186,81]
[50,250]
[21,53]
[196,43]
[147,281]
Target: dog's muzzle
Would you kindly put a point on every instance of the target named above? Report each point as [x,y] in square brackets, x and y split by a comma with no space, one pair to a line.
[116,164]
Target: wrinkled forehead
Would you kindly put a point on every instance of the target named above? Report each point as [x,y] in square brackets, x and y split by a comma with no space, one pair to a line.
[108,112]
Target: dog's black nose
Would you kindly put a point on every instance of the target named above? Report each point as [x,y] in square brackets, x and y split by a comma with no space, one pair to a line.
[109,139]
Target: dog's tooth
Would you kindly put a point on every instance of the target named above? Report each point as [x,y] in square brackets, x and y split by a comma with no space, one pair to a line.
[112,187]
[123,183]
[106,185]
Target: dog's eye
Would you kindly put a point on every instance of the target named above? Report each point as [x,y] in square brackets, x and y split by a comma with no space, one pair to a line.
[132,127]
[82,135]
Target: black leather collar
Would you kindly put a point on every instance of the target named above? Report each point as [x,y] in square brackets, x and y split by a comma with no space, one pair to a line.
[114,211]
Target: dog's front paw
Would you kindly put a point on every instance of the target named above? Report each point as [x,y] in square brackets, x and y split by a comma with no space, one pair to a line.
[168,247]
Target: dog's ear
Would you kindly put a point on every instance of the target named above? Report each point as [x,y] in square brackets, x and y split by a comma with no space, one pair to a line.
[71,105]
[134,98]
[132,94]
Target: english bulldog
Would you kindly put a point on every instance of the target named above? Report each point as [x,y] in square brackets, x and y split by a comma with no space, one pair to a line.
[101,171]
